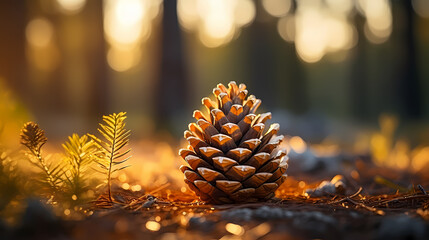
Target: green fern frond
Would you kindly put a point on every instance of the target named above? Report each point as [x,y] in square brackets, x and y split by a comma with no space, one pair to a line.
[80,153]
[33,137]
[112,148]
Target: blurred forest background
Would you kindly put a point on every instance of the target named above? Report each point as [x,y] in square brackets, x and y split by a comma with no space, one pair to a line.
[325,68]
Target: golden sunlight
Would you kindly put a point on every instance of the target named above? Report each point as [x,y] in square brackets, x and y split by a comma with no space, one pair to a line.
[277,8]
[285,145]
[215,21]
[286,28]
[234,229]
[317,28]
[127,24]
[42,53]
[420,158]
[153,226]
[71,6]
[39,32]
[123,59]
[378,13]
[297,144]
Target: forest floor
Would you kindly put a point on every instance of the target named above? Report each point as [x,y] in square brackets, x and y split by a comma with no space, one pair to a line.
[365,211]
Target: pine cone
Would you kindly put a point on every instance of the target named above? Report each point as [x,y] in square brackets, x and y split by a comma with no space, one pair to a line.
[230,158]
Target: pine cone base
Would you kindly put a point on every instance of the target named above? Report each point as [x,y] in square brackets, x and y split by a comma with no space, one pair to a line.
[231,159]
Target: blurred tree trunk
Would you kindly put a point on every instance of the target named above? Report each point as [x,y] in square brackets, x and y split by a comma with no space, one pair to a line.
[275,70]
[262,70]
[46,85]
[295,92]
[359,76]
[13,64]
[408,89]
[96,57]
[82,75]
[171,97]
[296,84]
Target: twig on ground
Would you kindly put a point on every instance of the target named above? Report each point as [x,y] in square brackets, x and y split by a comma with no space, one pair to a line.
[403,198]
[351,196]
[360,204]
[372,209]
